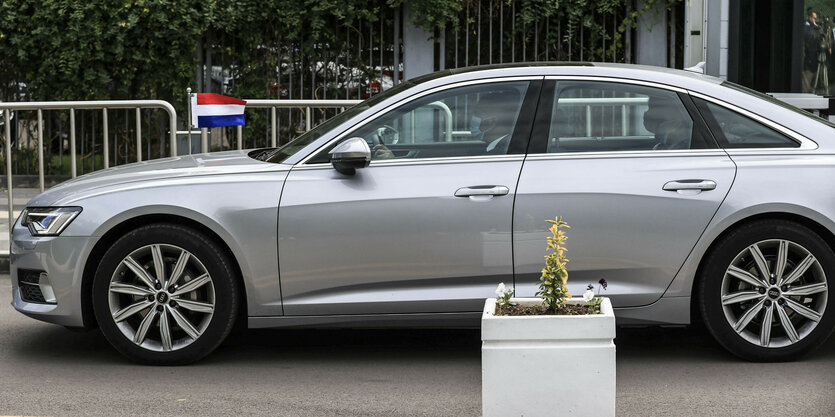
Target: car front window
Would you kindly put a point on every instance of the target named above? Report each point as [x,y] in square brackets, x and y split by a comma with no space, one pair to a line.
[464,121]
[279,155]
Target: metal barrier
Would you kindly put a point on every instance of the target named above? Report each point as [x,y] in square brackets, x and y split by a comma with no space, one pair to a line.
[625,103]
[7,107]
[273,105]
[40,106]
[818,105]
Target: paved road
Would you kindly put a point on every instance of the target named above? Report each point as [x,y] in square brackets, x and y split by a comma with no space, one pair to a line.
[48,370]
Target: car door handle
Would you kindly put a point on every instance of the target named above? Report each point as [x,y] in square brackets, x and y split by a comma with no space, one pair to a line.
[678,185]
[477,190]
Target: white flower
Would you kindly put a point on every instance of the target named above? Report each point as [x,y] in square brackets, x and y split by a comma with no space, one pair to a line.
[500,290]
[588,295]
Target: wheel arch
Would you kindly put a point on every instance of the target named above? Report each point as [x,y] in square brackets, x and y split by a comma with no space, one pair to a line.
[126,225]
[826,234]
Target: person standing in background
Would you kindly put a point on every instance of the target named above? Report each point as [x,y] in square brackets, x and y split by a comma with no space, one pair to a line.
[812,39]
[830,31]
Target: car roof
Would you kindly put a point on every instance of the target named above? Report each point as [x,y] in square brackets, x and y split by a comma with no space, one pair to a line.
[662,75]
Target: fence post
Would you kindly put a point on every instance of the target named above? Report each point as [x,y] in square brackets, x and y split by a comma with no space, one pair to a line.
[8,146]
[204,140]
[106,144]
[72,143]
[273,133]
[40,149]
[138,135]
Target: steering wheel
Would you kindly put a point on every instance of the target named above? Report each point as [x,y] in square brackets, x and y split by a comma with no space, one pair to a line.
[383,135]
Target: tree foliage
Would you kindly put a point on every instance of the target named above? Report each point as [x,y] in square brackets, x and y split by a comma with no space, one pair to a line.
[119,49]
[78,49]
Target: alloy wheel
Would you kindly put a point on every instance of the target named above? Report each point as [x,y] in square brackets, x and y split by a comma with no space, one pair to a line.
[161,297]
[774,293]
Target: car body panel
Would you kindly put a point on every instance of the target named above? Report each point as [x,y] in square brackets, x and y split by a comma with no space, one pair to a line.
[614,205]
[238,202]
[793,183]
[393,238]
[183,167]
[62,258]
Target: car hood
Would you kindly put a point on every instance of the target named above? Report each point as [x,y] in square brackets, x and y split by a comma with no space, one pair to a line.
[220,163]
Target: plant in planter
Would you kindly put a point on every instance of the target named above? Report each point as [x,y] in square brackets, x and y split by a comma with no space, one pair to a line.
[534,348]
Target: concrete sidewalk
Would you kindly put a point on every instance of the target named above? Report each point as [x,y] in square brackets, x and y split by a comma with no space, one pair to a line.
[49,370]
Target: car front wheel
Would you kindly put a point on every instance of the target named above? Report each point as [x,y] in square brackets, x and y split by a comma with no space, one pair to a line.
[164,294]
[764,294]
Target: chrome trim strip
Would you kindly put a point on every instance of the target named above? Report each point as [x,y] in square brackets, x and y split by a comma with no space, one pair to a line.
[410,99]
[466,319]
[805,143]
[615,80]
[426,161]
[627,154]
[769,151]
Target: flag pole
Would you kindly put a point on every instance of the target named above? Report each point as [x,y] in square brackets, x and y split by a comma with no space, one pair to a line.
[188,106]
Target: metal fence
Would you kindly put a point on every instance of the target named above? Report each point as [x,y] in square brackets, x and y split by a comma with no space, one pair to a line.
[27,134]
[499,31]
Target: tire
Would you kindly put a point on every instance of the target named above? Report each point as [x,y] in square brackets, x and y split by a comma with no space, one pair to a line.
[794,298]
[174,321]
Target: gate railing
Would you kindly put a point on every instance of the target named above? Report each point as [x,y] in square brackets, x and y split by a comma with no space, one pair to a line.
[306,107]
[40,106]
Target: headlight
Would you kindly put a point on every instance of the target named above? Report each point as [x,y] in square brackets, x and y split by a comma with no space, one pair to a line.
[48,221]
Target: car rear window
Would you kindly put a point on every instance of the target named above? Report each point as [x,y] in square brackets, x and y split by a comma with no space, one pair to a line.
[735,131]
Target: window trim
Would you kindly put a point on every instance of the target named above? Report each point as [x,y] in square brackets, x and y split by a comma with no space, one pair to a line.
[539,144]
[426,161]
[615,80]
[382,112]
[806,144]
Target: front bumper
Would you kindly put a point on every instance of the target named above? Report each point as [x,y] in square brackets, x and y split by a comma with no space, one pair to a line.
[63,259]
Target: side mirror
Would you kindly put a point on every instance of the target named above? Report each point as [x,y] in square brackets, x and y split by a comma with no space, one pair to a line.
[349,155]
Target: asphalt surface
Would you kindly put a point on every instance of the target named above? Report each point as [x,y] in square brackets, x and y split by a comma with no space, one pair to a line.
[49,370]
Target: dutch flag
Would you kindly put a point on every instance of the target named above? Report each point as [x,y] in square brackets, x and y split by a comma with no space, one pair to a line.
[214,110]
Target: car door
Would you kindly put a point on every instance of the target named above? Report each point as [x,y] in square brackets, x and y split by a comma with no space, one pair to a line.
[632,169]
[426,228]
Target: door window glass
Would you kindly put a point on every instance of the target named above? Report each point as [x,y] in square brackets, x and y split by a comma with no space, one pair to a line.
[590,116]
[463,121]
[734,130]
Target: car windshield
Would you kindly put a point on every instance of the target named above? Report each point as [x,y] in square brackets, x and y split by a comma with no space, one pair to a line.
[780,103]
[278,155]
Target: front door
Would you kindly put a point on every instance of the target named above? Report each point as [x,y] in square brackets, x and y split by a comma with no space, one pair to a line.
[426,228]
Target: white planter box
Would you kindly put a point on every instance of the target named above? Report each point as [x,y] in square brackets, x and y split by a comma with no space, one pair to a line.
[547,365]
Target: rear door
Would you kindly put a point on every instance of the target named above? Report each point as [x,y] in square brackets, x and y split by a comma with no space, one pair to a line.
[632,169]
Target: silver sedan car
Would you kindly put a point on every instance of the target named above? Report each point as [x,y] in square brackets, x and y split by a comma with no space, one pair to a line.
[695,198]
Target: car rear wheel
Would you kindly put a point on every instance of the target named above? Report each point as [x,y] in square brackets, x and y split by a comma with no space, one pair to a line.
[764,293]
[164,294]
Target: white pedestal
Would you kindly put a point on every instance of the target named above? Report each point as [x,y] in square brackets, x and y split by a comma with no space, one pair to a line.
[548,365]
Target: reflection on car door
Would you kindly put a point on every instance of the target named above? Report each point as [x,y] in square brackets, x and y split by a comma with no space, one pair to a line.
[633,173]
[407,234]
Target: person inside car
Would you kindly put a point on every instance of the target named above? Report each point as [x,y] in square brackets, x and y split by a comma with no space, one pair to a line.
[490,123]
